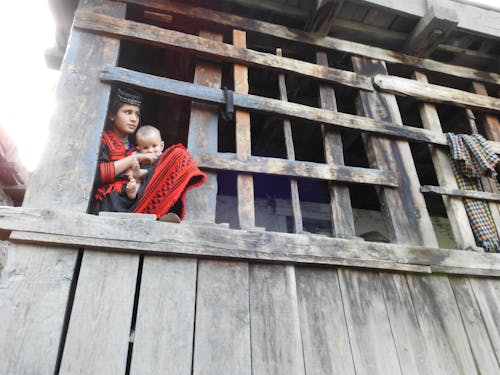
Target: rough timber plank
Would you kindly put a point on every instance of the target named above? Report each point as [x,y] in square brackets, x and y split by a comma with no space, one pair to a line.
[275,327]
[246,206]
[222,340]
[202,137]
[290,154]
[435,93]
[340,199]
[327,350]
[457,215]
[99,329]
[477,332]
[372,343]
[136,31]
[432,30]
[405,208]
[35,283]
[163,342]
[410,344]
[487,295]
[441,325]
[323,15]
[287,33]
[479,195]
[490,123]
[202,93]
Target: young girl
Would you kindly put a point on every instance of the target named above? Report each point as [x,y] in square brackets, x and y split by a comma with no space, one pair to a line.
[163,189]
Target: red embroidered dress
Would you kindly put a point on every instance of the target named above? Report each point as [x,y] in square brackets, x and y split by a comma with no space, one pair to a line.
[163,190]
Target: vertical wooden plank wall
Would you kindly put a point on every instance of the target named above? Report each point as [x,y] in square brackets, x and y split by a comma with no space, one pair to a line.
[36,281]
[222,288]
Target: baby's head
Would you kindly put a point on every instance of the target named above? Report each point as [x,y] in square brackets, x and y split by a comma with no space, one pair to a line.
[149,140]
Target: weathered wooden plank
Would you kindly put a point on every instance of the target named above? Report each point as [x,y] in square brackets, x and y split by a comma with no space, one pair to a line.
[35,283]
[432,30]
[275,327]
[410,345]
[246,208]
[323,15]
[480,195]
[166,86]
[290,153]
[487,296]
[340,199]
[164,330]
[372,343]
[490,123]
[222,340]
[441,325]
[457,215]
[435,93]
[325,337]
[293,168]
[477,332]
[154,35]
[287,33]
[73,229]
[202,137]
[404,208]
[101,316]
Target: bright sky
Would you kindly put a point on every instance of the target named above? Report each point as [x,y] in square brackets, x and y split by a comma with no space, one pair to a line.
[26,84]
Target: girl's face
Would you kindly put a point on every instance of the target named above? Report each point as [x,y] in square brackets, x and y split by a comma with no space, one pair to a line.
[126,119]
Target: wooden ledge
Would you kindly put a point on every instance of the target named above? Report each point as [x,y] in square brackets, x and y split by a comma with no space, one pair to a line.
[142,235]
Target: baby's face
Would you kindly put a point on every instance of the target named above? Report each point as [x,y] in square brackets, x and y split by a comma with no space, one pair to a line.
[150,143]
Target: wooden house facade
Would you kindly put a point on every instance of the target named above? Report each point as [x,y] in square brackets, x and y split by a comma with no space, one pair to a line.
[330,237]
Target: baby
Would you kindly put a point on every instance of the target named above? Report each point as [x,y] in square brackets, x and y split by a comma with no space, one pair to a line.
[148,139]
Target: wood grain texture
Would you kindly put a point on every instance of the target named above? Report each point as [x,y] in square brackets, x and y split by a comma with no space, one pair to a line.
[325,338]
[435,93]
[99,329]
[405,209]
[76,230]
[275,327]
[477,331]
[157,36]
[373,347]
[246,206]
[459,221]
[328,43]
[35,283]
[202,137]
[222,340]
[489,122]
[479,195]
[441,325]
[340,199]
[163,338]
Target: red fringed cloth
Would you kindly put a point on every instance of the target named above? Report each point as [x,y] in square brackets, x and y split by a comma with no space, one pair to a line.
[175,173]
[116,151]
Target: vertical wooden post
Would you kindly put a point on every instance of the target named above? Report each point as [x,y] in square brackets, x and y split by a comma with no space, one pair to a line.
[340,200]
[459,221]
[35,284]
[404,207]
[246,207]
[290,154]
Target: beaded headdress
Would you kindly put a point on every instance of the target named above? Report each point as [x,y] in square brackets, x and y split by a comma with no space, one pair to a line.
[129,96]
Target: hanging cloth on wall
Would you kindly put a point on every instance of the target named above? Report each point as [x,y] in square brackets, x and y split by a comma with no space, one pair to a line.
[472,158]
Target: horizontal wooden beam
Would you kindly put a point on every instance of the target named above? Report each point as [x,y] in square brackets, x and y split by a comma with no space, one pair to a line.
[329,43]
[480,195]
[434,93]
[142,235]
[166,86]
[207,48]
[294,168]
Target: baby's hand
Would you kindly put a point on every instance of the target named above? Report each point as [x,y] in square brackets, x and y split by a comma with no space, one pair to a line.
[148,158]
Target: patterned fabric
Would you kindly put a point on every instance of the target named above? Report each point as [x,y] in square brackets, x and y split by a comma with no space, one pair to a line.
[115,151]
[472,158]
[175,173]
